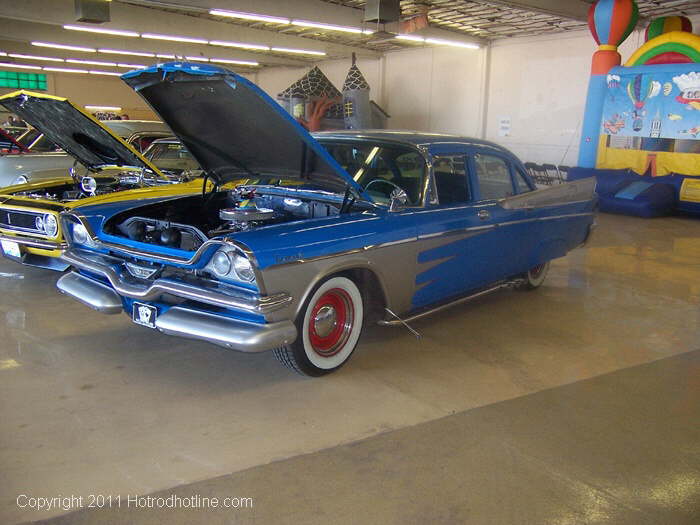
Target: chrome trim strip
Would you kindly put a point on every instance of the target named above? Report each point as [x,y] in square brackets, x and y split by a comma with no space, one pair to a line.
[224,331]
[400,322]
[35,243]
[239,300]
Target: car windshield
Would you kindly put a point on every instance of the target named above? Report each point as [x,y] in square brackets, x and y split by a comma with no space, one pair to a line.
[171,156]
[381,168]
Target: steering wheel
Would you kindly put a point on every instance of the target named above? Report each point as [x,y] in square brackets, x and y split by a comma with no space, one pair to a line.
[395,186]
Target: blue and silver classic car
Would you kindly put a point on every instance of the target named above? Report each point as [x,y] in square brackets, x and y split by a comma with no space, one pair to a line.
[333,231]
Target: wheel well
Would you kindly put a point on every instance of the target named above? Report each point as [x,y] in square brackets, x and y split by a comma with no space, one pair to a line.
[371,290]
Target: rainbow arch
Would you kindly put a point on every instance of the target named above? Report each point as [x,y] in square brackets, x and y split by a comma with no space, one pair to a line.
[675,47]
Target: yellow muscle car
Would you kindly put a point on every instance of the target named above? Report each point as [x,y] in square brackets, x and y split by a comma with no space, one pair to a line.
[30,231]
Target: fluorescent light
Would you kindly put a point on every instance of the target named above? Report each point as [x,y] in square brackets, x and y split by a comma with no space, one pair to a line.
[3,54]
[104,108]
[132,66]
[238,62]
[105,73]
[410,38]
[242,45]
[64,69]
[91,62]
[34,57]
[115,32]
[64,46]
[18,66]
[198,59]
[172,38]
[298,51]
[441,42]
[249,16]
[171,57]
[331,27]
[132,53]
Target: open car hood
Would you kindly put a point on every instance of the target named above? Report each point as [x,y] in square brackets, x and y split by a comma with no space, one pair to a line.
[76,132]
[234,129]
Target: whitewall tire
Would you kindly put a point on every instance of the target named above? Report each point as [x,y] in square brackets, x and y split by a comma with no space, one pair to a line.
[328,327]
[535,277]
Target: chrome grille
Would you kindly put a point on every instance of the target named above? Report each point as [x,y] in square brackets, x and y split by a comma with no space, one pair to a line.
[19,220]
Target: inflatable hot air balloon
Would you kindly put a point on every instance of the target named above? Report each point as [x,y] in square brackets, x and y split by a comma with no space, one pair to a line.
[610,22]
[641,88]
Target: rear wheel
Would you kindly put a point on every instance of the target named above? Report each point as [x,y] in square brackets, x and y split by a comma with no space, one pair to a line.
[329,327]
[535,277]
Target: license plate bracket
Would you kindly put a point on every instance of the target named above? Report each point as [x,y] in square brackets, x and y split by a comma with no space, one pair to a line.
[144,314]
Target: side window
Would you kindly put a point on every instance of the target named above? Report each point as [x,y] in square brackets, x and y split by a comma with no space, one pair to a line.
[451,179]
[494,177]
[520,182]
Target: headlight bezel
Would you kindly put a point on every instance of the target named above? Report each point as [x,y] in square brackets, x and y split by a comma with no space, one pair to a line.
[79,227]
[52,230]
[239,267]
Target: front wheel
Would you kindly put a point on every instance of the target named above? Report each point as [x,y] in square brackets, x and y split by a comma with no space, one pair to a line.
[329,327]
[535,277]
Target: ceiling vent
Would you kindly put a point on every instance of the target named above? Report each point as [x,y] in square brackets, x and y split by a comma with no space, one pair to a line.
[382,11]
[92,11]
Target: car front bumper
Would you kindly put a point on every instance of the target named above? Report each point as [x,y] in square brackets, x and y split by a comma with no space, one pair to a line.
[236,334]
[38,252]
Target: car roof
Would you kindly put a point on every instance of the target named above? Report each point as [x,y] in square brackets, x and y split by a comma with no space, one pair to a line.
[414,138]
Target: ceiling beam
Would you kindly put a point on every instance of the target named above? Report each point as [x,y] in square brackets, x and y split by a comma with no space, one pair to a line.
[571,9]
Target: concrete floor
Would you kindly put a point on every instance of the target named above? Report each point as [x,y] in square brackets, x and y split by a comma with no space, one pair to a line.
[577,403]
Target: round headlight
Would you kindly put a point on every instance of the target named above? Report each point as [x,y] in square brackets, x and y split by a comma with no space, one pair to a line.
[80,234]
[221,263]
[243,268]
[39,223]
[22,179]
[50,225]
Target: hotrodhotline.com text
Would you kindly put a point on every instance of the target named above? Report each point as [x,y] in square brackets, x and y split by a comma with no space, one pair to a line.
[101,501]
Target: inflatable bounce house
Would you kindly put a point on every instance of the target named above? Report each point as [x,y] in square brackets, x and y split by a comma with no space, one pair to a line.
[641,128]
[318,105]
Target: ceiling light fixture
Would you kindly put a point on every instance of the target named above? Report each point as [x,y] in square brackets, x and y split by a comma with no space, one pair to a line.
[105,73]
[132,66]
[102,31]
[132,53]
[90,62]
[104,108]
[64,46]
[242,45]
[18,66]
[34,57]
[197,59]
[64,69]
[250,16]
[298,51]
[332,27]
[172,38]
[238,62]
[3,54]
[441,42]
[171,57]
[410,38]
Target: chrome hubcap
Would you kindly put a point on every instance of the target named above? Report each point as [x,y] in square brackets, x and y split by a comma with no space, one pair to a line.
[325,320]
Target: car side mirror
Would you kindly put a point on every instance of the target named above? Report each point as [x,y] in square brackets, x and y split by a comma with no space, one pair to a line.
[399,199]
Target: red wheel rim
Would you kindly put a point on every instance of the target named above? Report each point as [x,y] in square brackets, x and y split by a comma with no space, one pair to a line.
[537,271]
[330,322]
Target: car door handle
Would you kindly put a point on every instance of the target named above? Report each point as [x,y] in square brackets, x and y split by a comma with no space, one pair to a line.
[483,215]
